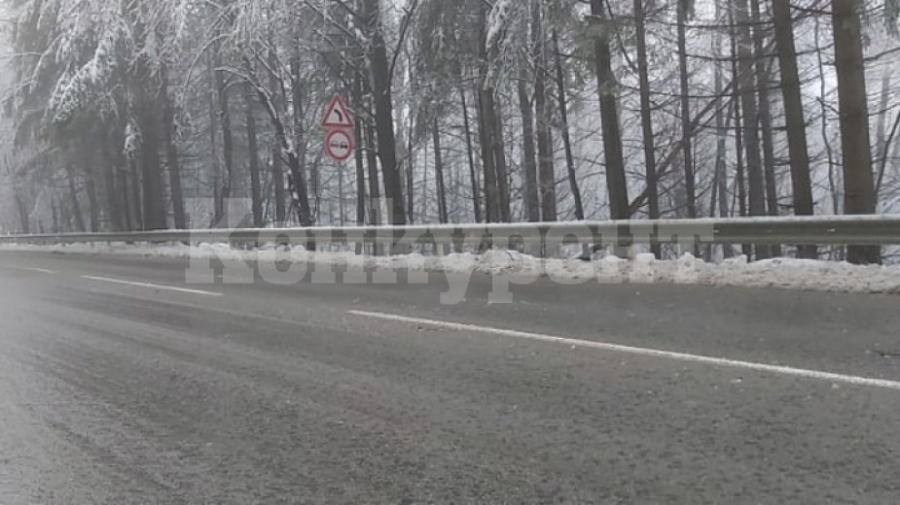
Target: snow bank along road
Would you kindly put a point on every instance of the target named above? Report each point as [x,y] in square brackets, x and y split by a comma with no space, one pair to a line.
[122,384]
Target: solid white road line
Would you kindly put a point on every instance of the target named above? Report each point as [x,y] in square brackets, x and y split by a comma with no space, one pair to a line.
[34,269]
[690,358]
[151,286]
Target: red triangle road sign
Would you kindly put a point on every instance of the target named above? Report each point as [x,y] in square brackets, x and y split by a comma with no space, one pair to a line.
[338,115]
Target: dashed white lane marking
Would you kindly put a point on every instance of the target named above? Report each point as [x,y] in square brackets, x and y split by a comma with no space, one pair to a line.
[34,269]
[640,351]
[152,286]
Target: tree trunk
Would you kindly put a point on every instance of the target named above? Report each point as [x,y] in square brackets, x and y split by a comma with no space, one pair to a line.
[154,208]
[123,201]
[470,154]
[277,91]
[493,125]
[486,134]
[443,215]
[564,126]
[73,199]
[278,186]
[859,184]
[374,187]
[22,209]
[253,154]
[690,183]
[887,158]
[713,202]
[364,152]
[304,189]
[384,111]
[546,171]
[883,111]
[894,155]
[487,124]
[299,190]
[456,203]
[112,189]
[54,209]
[90,187]
[740,177]
[824,108]
[218,204]
[765,113]
[408,173]
[747,80]
[616,181]
[721,141]
[227,139]
[68,214]
[154,199]
[136,200]
[500,167]
[531,200]
[172,161]
[296,180]
[881,135]
[794,116]
[146,86]
[423,202]
[647,117]
[175,186]
[741,174]
[359,159]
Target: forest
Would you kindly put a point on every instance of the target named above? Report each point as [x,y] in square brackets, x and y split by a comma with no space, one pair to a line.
[122,115]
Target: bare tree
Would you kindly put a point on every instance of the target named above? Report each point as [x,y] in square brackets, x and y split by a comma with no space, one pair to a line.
[859,184]
[794,115]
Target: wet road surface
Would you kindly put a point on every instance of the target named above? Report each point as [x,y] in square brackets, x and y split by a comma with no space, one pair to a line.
[122,384]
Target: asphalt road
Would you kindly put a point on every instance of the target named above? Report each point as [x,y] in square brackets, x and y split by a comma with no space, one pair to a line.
[122,384]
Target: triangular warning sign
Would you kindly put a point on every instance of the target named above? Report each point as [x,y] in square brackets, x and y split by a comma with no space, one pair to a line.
[337,115]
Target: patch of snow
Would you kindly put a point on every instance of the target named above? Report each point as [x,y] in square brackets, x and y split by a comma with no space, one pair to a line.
[781,273]
[645,258]
[497,20]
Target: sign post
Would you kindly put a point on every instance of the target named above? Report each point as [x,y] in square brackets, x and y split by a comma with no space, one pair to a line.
[338,123]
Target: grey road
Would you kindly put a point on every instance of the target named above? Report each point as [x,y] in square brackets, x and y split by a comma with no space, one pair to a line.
[122,384]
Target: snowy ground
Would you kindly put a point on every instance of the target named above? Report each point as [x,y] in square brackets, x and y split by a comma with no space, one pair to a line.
[778,273]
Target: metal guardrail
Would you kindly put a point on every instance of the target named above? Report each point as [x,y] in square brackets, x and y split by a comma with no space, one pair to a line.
[831,230]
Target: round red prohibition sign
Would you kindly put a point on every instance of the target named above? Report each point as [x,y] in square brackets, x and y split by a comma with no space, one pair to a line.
[339,145]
